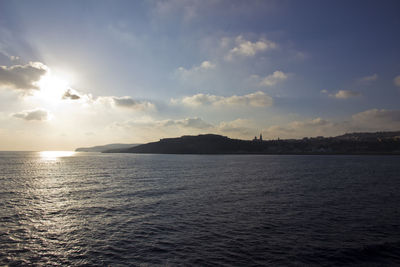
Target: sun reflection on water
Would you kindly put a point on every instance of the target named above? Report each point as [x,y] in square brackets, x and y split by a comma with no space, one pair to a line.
[54,155]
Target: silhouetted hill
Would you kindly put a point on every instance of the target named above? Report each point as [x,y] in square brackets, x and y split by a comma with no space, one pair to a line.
[369,136]
[355,143]
[104,147]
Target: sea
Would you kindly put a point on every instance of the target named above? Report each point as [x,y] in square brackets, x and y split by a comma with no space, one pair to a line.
[94,209]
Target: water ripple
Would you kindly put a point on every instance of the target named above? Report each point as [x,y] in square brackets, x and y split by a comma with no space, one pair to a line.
[186,210]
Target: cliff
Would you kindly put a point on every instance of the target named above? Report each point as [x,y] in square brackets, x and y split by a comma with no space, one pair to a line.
[104,147]
[355,143]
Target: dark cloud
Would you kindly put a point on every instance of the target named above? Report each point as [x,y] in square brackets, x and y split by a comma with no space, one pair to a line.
[32,115]
[22,76]
[127,102]
[69,94]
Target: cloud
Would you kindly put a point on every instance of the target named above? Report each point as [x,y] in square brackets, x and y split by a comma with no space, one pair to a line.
[305,128]
[149,127]
[128,102]
[378,118]
[274,78]
[188,122]
[156,125]
[23,77]
[202,68]
[369,79]
[188,10]
[309,123]
[71,94]
[396,80]
[14,58]
[345,94]
[309,127]
[207,65]
[238,127]
[31,115]
[120,33]
[200,100]
[257,99]
[247,48]
[366,121]
[125,102]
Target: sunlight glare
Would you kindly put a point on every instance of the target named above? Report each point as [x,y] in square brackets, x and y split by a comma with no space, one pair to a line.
[52,88]
[54,155]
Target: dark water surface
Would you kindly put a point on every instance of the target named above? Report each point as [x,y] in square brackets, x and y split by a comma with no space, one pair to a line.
[192,210]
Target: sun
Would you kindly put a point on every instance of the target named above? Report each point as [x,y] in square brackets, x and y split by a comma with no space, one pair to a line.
[52,88]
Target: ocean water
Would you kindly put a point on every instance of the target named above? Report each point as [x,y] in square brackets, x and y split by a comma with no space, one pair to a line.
[198,210]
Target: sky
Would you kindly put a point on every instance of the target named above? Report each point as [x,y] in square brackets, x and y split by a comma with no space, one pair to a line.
[83,73]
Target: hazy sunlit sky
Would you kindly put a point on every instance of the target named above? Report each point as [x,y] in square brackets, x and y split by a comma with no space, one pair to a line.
[83,73]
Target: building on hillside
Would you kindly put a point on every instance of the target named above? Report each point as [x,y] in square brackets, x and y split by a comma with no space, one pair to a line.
[255,138]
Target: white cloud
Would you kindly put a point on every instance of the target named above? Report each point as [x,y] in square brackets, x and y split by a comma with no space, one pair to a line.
[305,128]
[324,91]
[22,77]
[14,58]
[246,48]
[396,80]
[31,115]
[378,119]
[156,125]
[196,123]
[207,65]
[257,99]
[149,127]
[298,129]
[239,127]
[309,123]
[126,102]
[202,68]
[368,79]
[345,94]
[274,78]
[367,121]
